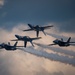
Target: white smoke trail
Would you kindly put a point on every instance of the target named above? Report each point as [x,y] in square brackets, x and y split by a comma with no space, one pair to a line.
[51,56]
[58,50]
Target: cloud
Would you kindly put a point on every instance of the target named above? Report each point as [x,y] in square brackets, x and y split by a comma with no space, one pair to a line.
[57,50]
[45,11]
[44,72]
[55,57]
[32,61]
[2,3]
[67,26]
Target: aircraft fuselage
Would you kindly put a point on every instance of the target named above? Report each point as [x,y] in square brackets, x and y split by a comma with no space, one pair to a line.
[7,47]
[61,43]
[23,38]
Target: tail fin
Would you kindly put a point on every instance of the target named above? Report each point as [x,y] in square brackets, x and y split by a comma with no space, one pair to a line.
[69,39]
[15,44]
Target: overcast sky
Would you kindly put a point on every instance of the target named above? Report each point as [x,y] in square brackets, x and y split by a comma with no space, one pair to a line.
[55,60]
[59,12]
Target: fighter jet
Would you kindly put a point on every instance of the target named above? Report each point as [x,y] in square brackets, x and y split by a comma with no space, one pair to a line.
[8,46]
[61,43]
[25,39]
[37,28]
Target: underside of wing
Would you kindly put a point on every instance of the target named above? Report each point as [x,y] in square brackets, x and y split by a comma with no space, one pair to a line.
[28,30]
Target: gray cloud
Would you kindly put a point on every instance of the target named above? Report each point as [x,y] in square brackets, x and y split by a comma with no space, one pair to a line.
[67,26]
[45,11]
[32,61]
[44,72]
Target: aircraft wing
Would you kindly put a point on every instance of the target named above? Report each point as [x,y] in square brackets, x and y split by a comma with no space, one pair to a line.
[51,44]
[35,38]
[28,30]
[47,27]
[15,40]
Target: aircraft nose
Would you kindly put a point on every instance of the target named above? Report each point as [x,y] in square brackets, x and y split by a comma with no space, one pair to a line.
[16,36]
[54,41]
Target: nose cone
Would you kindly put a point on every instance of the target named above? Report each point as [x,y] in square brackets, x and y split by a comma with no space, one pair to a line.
[16,36]
[56,41]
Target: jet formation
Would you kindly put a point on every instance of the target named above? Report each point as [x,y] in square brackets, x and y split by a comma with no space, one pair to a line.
[38,28]
[26,39]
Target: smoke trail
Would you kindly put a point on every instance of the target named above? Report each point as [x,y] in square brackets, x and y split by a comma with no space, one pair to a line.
[55,49]
[51,56]
[56,35]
